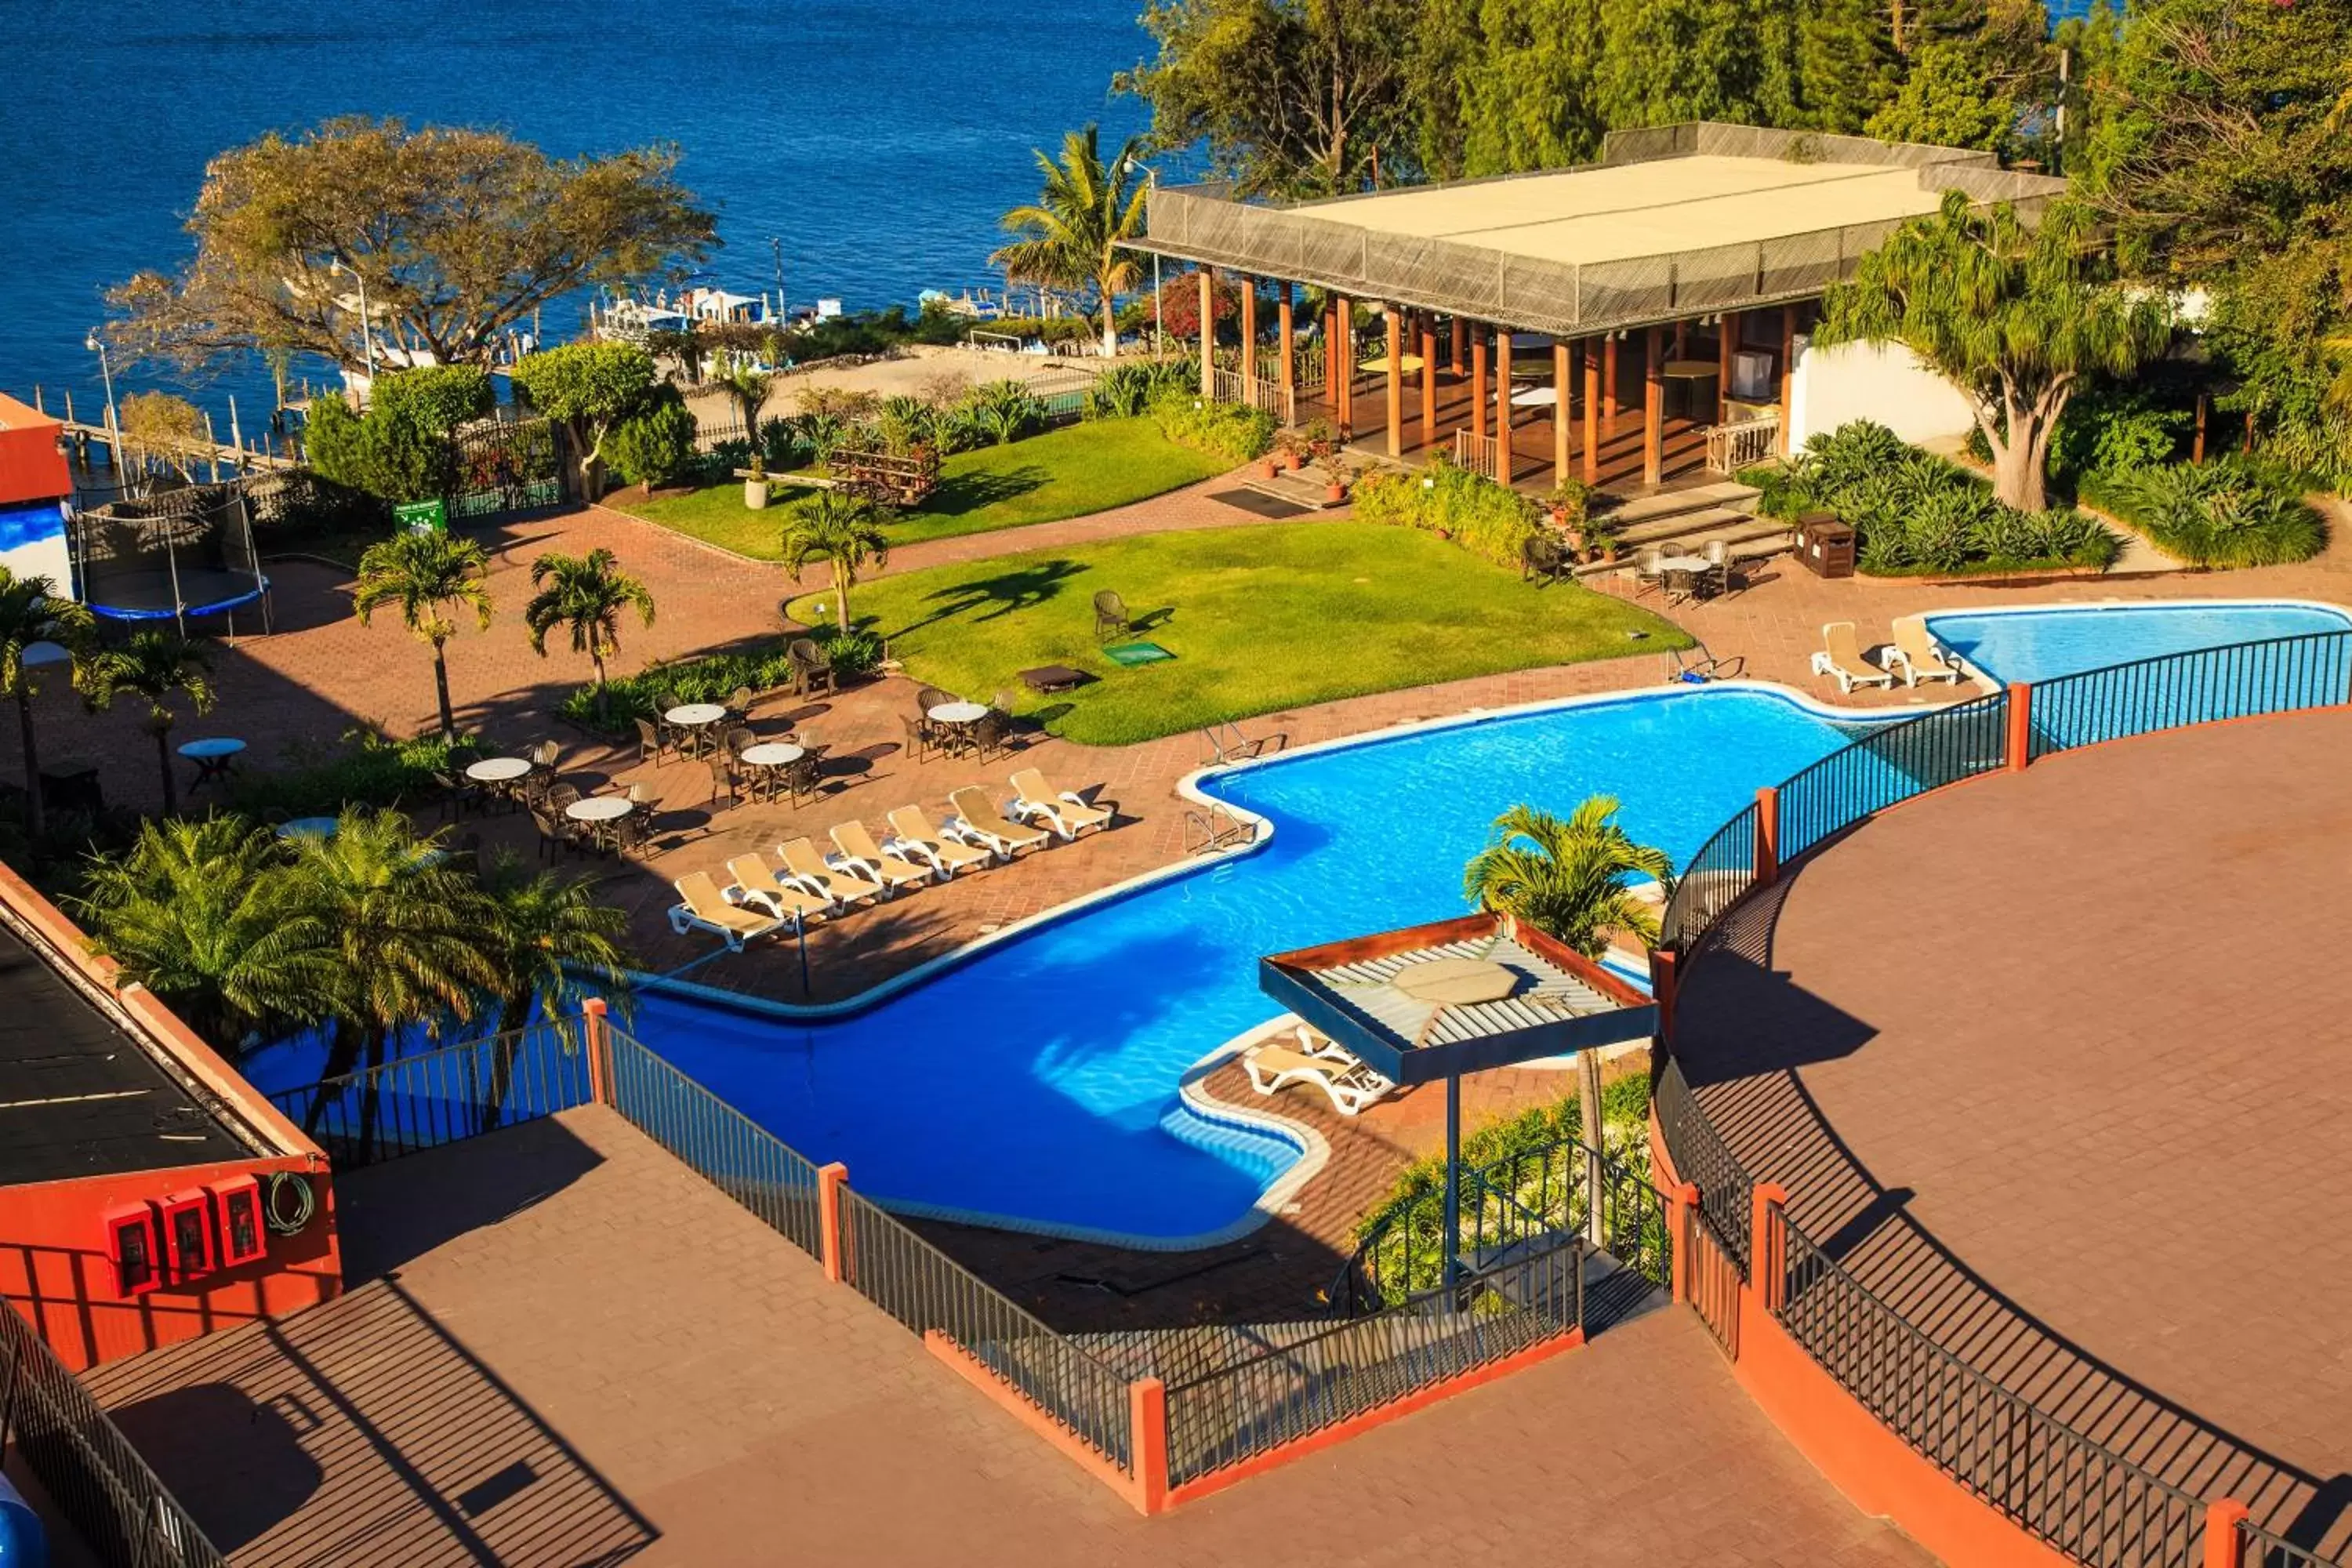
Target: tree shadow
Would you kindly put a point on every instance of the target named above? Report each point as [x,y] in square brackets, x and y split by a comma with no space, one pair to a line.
[990,598]
[961,494]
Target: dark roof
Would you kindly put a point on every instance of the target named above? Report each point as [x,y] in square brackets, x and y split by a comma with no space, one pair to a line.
[79,1096]
[1559,1001]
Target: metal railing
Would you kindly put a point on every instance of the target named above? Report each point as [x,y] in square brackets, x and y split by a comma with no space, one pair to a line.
[124,1515]
[2071,1490]
[438,1097]
[1889,764]
[1701,1158]
[2278,675]
[2265,1550]
[1254,392]
[1742,443]
[1713,881]
[719,1142]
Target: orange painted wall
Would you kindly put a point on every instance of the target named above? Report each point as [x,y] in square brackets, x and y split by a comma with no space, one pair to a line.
[31,466]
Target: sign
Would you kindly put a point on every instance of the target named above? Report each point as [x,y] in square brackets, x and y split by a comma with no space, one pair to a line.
[421,515]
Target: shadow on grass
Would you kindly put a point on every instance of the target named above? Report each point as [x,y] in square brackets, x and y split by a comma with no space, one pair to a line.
[963,494]
[987,598]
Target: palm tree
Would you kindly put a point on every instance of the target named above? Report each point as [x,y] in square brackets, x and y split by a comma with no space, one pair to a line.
[32,611]
[1076,233]
[550,943]
[157,665]
[1567,879]
[423,570]
[586,593]
[843,530]
[403,935]
[208,916]
[748,390]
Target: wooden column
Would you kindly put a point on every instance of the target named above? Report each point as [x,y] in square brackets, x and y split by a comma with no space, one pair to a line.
[1208,331]
[1478,384]
[1682,339]
[1428,380]
[1249,334]
[1560,403]
[1395,316]
[1787,370]
[1727,345]
[2204,403]
[1289,360]
[1503,385]
[1609,381]
[1591,413]
[1332,358]
[1653,406]
[1345,310]
[1454,347]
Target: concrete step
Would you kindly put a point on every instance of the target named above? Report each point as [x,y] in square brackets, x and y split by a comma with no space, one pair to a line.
[1760,546]
[1724,494]
[1312,492]
[1715,522]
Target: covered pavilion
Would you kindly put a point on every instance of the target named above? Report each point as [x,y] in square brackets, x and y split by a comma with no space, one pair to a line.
[1621,322]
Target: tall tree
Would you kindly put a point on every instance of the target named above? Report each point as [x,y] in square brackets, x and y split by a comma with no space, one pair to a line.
[33,611]
[587,595]
[844,531]
[426,573]
[748,390]
[454,235]
[551,946]
[1076,233]
[2014,317]
[1524,89]
[205,915]
[157,665]
[589,389]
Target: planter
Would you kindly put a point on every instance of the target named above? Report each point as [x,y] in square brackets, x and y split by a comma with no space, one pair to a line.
[1335,494]
[755,494]
[1273,466]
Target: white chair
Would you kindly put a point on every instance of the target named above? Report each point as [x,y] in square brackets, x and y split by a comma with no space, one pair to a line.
[1840,659]
[1350,1084]
[1065,811]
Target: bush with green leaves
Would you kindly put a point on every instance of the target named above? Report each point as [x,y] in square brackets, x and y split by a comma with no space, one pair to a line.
[1227,431]
[390,452]
[364,768]
[2227,512]
[655,445]
[1492,522]
[1003,411]
[1124,391]
[712,678]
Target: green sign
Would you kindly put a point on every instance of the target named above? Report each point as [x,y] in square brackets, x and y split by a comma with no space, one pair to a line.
[422,514]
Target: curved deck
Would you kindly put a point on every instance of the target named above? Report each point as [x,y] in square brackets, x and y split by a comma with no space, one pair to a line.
[2058,1063]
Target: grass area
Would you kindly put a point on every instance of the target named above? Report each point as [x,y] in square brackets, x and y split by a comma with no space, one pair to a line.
[1260,619]
[1070,472]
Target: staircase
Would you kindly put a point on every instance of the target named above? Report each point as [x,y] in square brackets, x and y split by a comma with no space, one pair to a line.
[1680,523]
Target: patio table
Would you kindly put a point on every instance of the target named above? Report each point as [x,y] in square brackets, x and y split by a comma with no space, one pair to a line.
[498,769]
[772,755]
[695,717]
[960,712]
[1535,397]
[599,812]
[308,828]
[212,756]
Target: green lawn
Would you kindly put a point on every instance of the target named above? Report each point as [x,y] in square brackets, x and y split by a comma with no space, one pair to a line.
[1260,619]
[1070,472]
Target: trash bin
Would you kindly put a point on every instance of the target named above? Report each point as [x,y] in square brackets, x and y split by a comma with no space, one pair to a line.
[1826,545]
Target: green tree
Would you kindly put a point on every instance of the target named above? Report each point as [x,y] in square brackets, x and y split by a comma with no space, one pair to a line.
[844,530]
[1847,68]
[1076,233]
[33,611]
[2014,317]
[586,594]
[1523,91]
[437,397]
[157,665]
[551,945]
[1668,60]
[588,388]
[207,915]
[400,449]
[157,424]
[748,390]
[1568,879]
[655,443]
[454,235]
[426,572]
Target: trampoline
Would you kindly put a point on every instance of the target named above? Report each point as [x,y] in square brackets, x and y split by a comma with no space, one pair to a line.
[176,556]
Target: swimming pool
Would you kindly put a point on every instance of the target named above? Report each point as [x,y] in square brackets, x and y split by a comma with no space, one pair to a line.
[2039,644]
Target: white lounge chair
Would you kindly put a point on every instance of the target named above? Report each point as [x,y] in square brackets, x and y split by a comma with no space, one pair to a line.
[1914,651]
[1350,1084]
[756,883]
[1065,811]
[860,854]
[1840,659]
[803,865]
[978,822]
[912,835]
[705,909]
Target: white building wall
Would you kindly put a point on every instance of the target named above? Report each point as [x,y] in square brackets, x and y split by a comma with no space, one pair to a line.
[1883,382]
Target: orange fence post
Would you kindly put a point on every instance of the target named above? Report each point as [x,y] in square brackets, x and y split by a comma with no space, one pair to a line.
[1767,1253]
[830,1180]
[2225,1544]
[1662,990]
[1686,1202]
[593,1024]
[1768,836]
[1147,1420]
[2020,750]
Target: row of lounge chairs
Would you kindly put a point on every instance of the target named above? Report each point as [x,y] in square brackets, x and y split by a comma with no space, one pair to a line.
[1913,655]
[759,900]
[1346,1079]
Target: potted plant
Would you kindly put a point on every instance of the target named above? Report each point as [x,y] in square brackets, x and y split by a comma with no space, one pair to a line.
[1601,542]
[1333,461]
[1570,502]
[755,482]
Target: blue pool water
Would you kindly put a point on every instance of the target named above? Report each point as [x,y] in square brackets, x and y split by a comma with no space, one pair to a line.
[2039,645]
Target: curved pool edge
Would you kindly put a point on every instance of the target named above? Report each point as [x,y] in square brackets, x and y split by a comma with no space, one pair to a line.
[1992,682]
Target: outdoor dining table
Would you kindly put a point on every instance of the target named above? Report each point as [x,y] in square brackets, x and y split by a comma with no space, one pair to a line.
[498,769]
[599,812]
[770,755]
[696,717]
[212,756]
[959,712]
[1688,567]
[1535,397]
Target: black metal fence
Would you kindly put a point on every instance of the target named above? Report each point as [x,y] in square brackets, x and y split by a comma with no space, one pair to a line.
[1891,763]
[126,1516]
[2263,1550]
[1703,1159]
[506,467]
[2076,1493]
[719,1142]
[2279,675]
[1715,878]
[438,1097]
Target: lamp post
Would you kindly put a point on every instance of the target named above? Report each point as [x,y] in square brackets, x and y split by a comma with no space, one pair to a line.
[367,338]
[776,245]
[97,345]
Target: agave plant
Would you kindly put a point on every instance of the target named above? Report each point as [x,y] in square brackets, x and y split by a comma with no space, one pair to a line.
[1004,411]
[904,423]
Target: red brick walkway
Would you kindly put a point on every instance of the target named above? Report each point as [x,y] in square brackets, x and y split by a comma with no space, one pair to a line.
[2057,1062]
[583,1354]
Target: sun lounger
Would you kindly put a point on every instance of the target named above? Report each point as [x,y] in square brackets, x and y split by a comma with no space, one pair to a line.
[912,835]
[806,866]
[860,854]
[1065,812]
[756,883]
[1350,1084]
[1840,659]
[705,909]
[978,822]
[1914,650]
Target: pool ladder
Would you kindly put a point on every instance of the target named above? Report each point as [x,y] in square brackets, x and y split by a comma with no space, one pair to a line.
[1226,743]
[1215,826]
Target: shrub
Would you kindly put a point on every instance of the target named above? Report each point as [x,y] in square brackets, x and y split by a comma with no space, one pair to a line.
[365,768]
[2227,513]
[388,453]
[438,398]
[1227,431]
[1490,520]
[654,445]
[1003,411]
[712,678]
[1124,391]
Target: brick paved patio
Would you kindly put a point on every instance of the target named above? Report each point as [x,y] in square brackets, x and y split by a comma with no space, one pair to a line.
[575,1352]
[2055,1061]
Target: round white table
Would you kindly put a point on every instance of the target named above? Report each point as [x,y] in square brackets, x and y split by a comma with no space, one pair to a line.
[498,769]
[960,712]
[772,755]
[1535,397]
[1685,563]
[694,715]
[600,808]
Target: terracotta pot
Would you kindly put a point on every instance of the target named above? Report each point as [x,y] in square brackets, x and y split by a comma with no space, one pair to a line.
[1272,468]
[1335,492]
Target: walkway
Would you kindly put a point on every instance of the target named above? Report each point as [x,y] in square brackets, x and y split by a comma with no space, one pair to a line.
[576,1352]
[2022,1060]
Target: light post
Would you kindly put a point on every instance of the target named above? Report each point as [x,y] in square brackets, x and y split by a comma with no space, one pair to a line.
[367,338]
[97,345]
[776,245]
